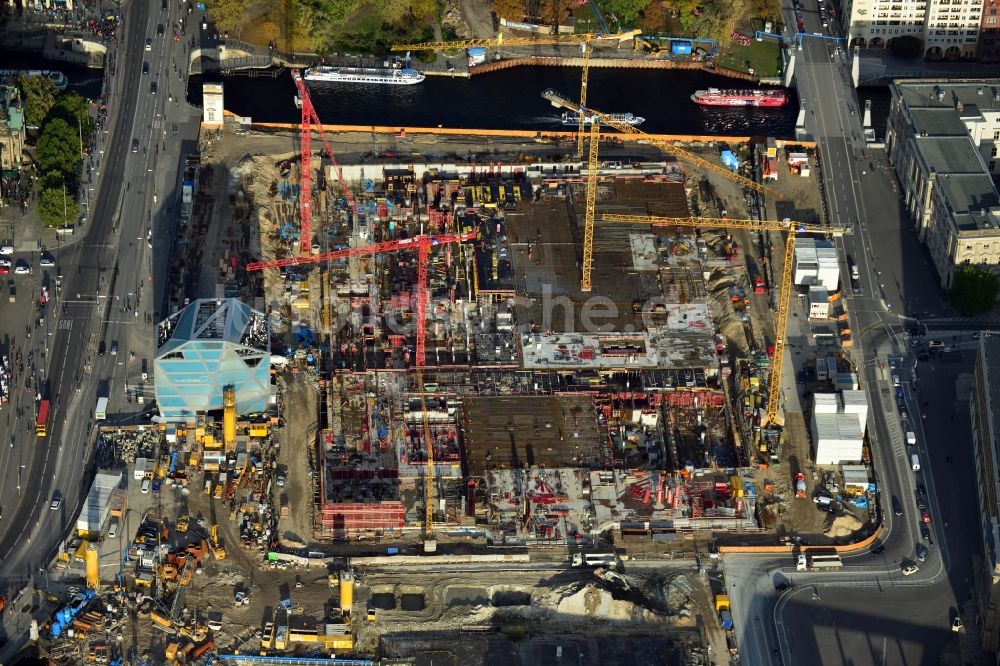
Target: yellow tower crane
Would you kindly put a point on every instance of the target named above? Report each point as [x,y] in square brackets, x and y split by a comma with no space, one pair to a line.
[559,100]
[584,40]
[785,286]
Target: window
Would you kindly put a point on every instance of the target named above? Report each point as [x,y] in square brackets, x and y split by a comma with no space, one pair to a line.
[993,151]
[991,20]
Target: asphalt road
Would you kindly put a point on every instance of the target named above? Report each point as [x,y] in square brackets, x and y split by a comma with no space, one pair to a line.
[868,613]
[107,294]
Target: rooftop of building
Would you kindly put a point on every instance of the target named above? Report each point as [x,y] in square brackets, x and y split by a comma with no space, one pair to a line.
[227,320]
[939,112]
[973,200]
[11,109]
[974,95]
[950,154]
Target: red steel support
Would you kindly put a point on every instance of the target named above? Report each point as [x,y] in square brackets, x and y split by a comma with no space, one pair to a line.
[310,118]
[305,173]
[422,293]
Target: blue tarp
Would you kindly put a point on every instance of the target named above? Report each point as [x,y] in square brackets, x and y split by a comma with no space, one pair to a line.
[729,159]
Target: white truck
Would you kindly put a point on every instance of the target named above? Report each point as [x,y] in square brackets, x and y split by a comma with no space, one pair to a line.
[817,562]
[594,560]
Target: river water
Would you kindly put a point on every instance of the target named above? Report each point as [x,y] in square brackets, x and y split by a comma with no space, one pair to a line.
[507,99]
[511,99]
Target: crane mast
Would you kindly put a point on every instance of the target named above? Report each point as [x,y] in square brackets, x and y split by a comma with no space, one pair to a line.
[771,417]
[309,118]
[584,40]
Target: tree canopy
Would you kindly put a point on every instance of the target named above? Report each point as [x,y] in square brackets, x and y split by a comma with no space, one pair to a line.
[72,108]
[974,290]
[39,96]
[327,25]
[56,205]
[58,149]
[626,11]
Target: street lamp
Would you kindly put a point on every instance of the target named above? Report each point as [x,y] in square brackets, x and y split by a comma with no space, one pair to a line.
[19,470]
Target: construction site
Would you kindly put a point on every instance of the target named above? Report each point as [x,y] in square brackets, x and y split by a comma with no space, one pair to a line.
[572,345]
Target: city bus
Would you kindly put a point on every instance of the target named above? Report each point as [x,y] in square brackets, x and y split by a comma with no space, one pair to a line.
[42,420]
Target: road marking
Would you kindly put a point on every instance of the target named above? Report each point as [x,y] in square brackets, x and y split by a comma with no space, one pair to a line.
[65,324]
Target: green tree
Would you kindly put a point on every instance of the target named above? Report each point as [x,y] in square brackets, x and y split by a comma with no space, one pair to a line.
[56,205]
[39,96]
[974,290]
[59,149]
[72,108]
[626,11]
[228,14]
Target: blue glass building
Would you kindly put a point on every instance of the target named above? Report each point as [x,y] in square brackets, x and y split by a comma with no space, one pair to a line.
[209,344]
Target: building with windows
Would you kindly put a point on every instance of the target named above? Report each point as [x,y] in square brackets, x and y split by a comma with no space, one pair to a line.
[989,32]
[985,414]
[206,346]
[11,128]
[941,138]
[946,28]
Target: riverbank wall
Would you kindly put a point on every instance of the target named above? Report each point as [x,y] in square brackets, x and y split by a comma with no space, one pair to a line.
[608,63]
[71,47]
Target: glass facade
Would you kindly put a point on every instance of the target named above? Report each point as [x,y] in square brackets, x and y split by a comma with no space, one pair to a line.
[205,347]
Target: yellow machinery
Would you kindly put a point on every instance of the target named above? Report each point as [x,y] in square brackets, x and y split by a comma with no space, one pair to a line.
[346,592]
[182,524]
[216,545]
[91,559]
[787,274]
[583,39]
[229,417]
[560,101]
[430,544]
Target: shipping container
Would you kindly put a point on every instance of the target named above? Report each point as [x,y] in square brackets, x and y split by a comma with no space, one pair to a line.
[680,47]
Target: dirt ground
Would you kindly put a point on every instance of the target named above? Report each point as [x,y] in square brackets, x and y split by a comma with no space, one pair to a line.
[301,412]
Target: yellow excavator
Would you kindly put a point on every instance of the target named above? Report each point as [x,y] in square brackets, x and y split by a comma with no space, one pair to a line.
[217,549]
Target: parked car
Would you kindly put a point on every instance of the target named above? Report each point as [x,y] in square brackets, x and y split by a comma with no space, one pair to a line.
[921,490]
[878,550]
[910,569]
[922,552]
[22,268]
[47,261]
[925,517]
[925,532]
[6,248]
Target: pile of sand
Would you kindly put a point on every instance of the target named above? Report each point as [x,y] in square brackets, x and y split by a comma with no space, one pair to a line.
[843,526]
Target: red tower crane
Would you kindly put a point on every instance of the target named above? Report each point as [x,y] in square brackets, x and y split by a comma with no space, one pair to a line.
[421,244]
[310,118]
